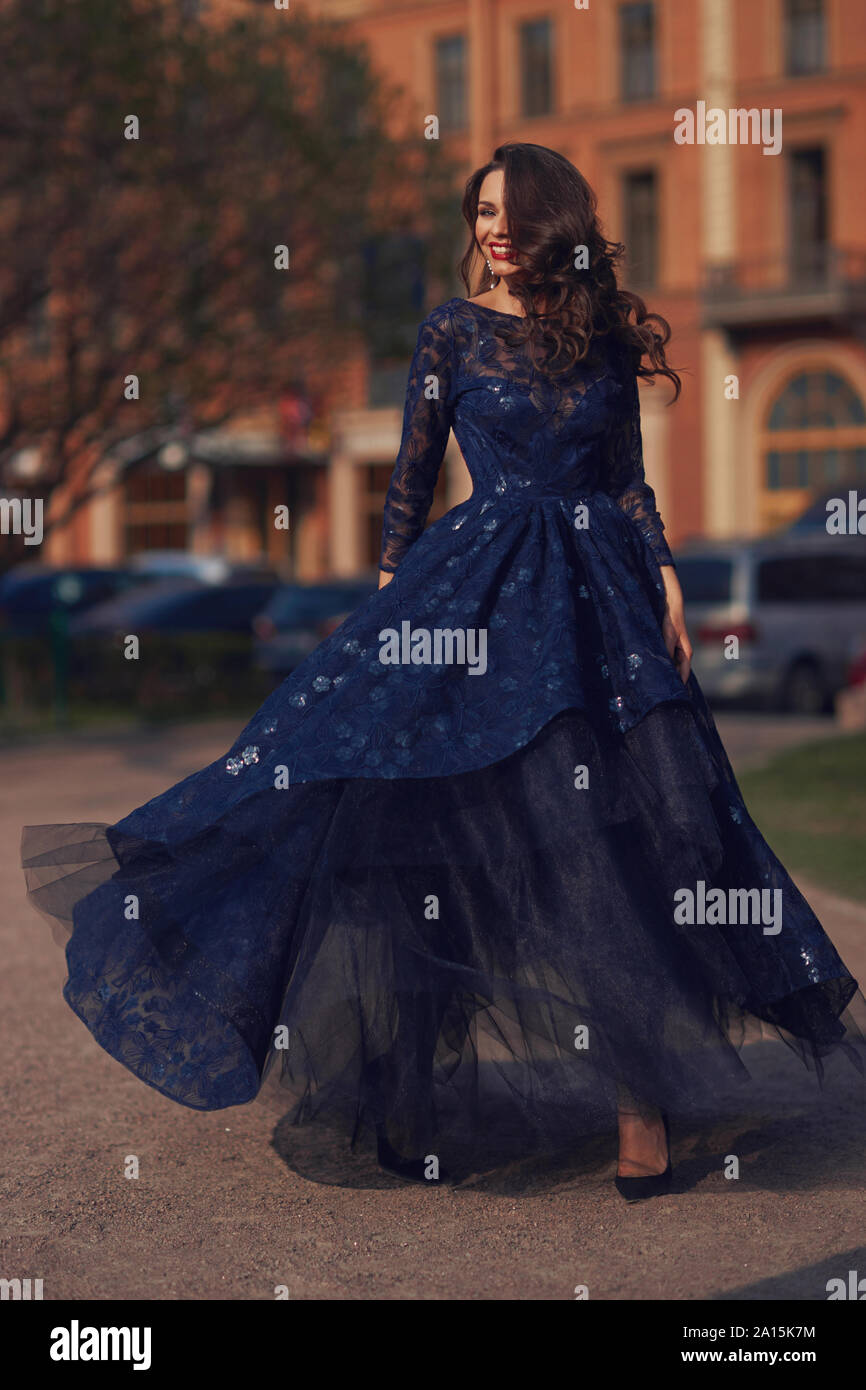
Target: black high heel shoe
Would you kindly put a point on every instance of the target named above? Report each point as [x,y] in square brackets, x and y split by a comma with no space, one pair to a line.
[413,1169]
[654,1184]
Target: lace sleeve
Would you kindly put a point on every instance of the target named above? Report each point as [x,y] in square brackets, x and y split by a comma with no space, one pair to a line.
[624,479]
[426,425]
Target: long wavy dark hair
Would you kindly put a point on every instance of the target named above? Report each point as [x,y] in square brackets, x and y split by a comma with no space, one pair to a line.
[551,213]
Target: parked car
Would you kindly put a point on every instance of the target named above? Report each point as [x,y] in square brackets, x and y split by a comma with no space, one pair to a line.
[300,616]
[30,593]
[210,569]
[815,516]
[795,601]
[177,606]
[856,673]
[850,703]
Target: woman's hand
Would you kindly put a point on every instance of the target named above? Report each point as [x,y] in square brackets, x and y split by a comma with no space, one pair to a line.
[385,577]
[674,624]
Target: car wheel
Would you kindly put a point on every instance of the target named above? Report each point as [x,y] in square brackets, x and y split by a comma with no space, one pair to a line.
[804,690]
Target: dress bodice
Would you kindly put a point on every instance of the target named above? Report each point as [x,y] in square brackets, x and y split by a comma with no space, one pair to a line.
[523,434]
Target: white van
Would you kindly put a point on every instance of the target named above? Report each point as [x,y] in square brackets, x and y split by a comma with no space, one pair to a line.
[796,603]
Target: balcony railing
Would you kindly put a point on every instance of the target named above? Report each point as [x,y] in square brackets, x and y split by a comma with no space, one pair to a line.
[822,284]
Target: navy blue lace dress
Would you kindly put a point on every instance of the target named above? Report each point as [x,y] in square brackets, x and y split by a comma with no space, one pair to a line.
[441,878]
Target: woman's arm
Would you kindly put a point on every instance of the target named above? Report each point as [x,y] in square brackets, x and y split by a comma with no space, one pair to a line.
[624,479]
[674,624]
[427,420]
[626,482]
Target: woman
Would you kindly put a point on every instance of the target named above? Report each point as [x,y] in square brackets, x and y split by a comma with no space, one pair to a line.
[444,873]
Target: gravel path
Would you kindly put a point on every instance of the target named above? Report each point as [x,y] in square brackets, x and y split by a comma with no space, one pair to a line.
[220,1209]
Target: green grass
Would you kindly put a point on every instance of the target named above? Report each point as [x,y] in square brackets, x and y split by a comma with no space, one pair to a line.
[810,804]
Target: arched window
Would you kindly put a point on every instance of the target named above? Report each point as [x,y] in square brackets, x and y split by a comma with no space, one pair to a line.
[814,439]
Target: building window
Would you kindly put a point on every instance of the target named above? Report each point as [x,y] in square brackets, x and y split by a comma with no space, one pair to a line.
[637,51]
[815,468]
[155,510]
[817,400]
[536,67]
[451,82]
[393,285]
[814,439]
[805,37]
[39,327]
[808,214]
[345,94]
[640,223]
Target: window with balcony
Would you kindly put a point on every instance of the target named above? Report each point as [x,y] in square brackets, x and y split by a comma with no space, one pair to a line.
[637,51]
[805,24]
[536,67]
[451,82]
[807,194]
[641,226]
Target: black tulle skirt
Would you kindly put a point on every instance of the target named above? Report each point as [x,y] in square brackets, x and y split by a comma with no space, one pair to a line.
[419,955]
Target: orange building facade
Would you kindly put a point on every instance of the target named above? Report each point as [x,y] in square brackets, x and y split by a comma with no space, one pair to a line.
[758,260]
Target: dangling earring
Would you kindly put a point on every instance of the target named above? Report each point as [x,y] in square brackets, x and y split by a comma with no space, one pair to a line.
[490,268]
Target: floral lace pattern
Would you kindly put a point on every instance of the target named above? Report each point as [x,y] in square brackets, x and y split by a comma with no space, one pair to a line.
[515,426]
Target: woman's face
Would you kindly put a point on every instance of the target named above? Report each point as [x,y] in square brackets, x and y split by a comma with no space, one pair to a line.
[491,225]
